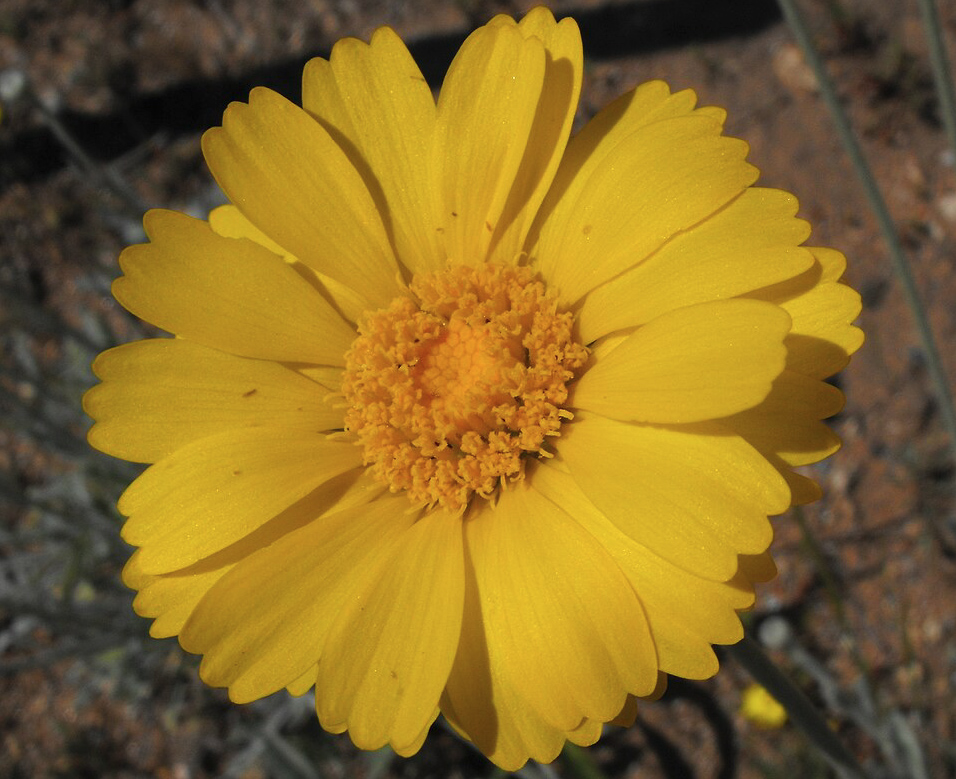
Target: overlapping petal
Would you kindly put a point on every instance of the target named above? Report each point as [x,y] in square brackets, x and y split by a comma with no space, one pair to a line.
[228,294]
[696,363]
[822,309]
[170,598]
[659,180]
[320,212]
[392,646]
[561,86]
[480,702]
[218,489]
[787,423]
[686,613]
[753,242]
[229,221]
[304,683]
[159,395]
[492,715]
[259,628]
[646,104]
[728,489]
[591,641]
[486,114]
[374,101]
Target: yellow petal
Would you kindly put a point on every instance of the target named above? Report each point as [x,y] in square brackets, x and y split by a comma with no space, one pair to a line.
[564,64]
[801,396]
[696,363]
[648,103]
[413,746]
[758,568]
[322,99]
[785,428]
[293,182]
[162,394]
[390,651]
[694,494]
[821,339]
[628,714]
[716,113]
[304,683]
[169,601]
[218,489]
[661,179]
[227,294]
[686,613]
[481,703]
[787,423]
[571,645]
[832,263]
[390,124]
[267,621]
[752,243]
[499,722]
[658,693]
[802,489]
[587,733]
[171,598]
[486,114]
[229,221]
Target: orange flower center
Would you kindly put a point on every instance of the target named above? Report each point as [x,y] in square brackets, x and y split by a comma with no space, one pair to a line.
[451,389]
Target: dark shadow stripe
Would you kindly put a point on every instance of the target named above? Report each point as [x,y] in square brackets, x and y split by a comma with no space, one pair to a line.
[611,32]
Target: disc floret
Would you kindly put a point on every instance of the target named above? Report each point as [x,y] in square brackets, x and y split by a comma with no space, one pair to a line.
[452,388]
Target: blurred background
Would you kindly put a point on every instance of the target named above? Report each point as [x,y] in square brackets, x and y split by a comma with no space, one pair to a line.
[103,103]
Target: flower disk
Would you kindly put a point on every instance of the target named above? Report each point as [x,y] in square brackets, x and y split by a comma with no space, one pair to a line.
[466,415]
[450,394]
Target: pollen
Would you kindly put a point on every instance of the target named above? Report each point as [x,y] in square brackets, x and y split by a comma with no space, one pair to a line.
[452,388]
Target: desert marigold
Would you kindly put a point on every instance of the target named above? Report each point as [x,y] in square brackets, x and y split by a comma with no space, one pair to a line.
[465,415]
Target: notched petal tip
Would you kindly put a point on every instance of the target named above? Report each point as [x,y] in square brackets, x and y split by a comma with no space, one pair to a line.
[346,48]
[591,231]
[693,364]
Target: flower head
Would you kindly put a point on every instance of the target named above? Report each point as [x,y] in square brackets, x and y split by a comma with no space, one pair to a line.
[758,706]
[463,416]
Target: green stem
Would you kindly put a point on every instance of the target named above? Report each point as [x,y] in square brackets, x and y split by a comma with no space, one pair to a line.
[802,713]
[580,763]
[816,553]
[941,70]
[105,175]
[897,257]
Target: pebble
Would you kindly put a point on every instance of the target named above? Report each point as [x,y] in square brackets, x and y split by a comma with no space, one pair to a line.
[792,71]
[947,206]
[12,84]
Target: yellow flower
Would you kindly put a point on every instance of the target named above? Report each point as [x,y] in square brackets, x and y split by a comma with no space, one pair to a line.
[761,708]
[462,416]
